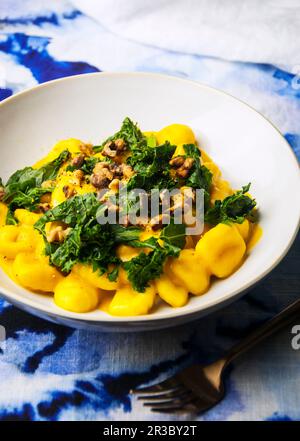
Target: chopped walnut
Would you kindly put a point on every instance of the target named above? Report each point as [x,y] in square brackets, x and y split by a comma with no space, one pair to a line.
[177,162]
[78,160]
[68,191]
[57,234]
[2,193]
[79,176]
[120,145]
[127,171]
[108,173]
[188,163]
[105,172]
[121,170]
[109,150]
[86,149]
[43,207]
[100,166]
[113,148]
[116,169]
[184,170]
[100,180]
[157,222]
[182,165]
[183,200]
[46,198]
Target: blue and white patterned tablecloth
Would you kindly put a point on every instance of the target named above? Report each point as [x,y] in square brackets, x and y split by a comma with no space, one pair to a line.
[49,372]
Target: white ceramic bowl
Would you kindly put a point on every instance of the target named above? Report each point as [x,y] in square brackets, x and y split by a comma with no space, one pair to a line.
[242,142]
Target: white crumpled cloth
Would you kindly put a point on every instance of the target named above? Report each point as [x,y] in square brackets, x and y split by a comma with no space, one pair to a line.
[240,30]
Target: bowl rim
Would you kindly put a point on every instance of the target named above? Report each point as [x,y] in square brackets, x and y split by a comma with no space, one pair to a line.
[172,313]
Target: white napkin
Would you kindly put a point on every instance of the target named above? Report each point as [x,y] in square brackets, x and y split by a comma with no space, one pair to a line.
[241,30]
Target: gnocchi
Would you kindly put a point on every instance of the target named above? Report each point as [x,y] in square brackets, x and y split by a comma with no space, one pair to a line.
[48,244]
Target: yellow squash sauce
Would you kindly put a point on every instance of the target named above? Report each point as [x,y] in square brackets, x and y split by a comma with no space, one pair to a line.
[105,301]
[255,237]
[6,265]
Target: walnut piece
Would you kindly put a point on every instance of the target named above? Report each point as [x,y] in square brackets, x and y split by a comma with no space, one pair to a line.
[43,207]
[105,172]
[78,160]
[46,198]
[127,171]
[100,166]
[68,191]
[2,193]
[79,176]
[120,145]
[113,148]
[99,181]
[184,170]
[159,221]
[182,165]
[188,163]
[57,234]
[86,149]
[177,162]
[109,151]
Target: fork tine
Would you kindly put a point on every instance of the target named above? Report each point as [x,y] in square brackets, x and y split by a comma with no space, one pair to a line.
[170,393]
[173,402]
[168,384]
[187,409]
[195,406]
[171,405]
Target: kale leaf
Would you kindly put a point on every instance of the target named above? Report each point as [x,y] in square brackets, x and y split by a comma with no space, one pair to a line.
[174,235]
[145,267]
[29,178]
[23,189]
[150,162]
[125,234]
[95,244]
[129,132]
[200,176]
[65,255]
[76,210]
[235,208]
[87,242]
[152,168]
[28,200]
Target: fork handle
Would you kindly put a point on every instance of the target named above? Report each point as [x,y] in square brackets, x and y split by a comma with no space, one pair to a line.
[285,317]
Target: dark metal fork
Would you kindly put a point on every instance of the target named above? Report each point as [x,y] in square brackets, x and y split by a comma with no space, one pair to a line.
[198,388]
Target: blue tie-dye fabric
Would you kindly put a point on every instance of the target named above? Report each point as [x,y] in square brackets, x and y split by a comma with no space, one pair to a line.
[49,372]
